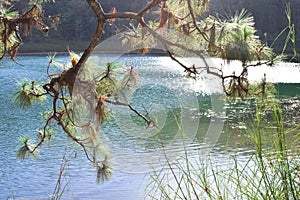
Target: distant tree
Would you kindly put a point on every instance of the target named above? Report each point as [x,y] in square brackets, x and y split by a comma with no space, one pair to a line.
[270,17]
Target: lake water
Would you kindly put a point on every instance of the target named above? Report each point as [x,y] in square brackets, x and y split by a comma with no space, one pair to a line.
[164,90]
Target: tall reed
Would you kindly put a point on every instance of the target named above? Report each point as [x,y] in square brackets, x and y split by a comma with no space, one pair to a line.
[270,172]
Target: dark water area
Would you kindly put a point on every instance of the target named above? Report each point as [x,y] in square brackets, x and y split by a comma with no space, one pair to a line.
[134,148]
[288,89]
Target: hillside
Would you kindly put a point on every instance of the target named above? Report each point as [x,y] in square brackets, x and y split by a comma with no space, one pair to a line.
[77,24]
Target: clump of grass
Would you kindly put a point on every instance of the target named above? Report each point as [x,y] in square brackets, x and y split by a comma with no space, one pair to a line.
[270,172]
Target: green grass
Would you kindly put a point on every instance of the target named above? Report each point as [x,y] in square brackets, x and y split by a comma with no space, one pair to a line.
[271,172]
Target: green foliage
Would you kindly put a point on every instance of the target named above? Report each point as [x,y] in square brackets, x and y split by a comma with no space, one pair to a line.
[114,80]
[7,12]
[271,172]
[46,135]
[236,39]
[29,93]
[104,172]
[79,115]
[261,92]
[274,161]
[180,7]
[106,86]
[27,148]
[291,34]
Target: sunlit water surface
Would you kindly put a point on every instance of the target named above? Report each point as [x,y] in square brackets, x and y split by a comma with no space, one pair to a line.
[134,148]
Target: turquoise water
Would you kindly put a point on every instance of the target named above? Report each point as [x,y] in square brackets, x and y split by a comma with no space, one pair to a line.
[164,90]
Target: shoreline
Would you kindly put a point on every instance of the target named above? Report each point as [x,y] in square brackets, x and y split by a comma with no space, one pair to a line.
[288,58]
[78,52]
[61,47]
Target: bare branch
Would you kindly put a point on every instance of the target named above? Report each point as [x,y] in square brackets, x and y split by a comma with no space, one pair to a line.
[149,122]
[194,20]
[148,7]
[96,7]
[187,69]
[122,15]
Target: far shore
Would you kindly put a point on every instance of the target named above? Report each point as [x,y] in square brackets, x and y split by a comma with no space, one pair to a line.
[61,47]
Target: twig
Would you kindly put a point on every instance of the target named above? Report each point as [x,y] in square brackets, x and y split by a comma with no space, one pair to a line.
[149,122]
[194,21]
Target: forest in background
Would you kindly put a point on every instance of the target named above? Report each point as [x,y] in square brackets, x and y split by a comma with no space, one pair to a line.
[78,23]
